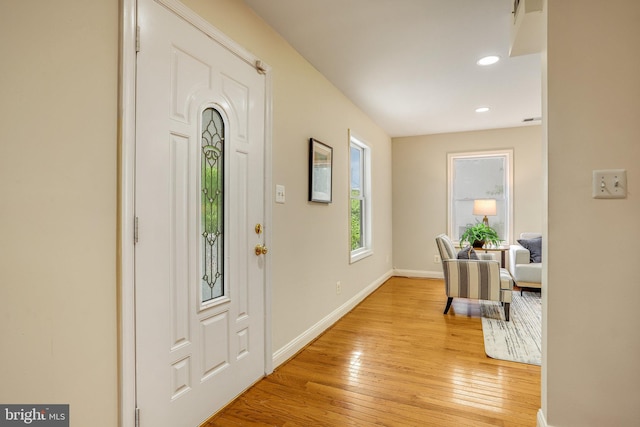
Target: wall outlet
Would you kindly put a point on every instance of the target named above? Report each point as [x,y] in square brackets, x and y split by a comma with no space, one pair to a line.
[436,259]
[338,288]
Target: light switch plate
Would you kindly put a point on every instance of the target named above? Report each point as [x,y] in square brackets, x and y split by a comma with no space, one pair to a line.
[280,194]
[609,184]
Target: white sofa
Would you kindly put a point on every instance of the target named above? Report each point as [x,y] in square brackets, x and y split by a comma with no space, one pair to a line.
[525,273]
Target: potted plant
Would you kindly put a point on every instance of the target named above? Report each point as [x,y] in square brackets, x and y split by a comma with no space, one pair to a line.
[480,234]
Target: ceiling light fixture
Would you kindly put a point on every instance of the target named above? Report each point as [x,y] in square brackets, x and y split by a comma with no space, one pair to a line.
[482,109]
[488,60]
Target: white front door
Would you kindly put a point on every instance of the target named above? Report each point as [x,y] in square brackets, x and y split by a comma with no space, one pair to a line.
[199,284]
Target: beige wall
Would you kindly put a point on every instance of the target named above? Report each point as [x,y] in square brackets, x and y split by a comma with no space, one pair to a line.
[58,175]
[592,374]
[58,105]
[420,188]
[58,164]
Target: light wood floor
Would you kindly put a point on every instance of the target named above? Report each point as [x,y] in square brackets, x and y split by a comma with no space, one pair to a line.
[395,360]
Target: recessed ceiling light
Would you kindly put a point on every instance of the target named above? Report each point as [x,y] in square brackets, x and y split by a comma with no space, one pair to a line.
[488,60]
[482,109]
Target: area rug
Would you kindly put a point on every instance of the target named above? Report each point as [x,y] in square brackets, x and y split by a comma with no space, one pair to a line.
[519,339]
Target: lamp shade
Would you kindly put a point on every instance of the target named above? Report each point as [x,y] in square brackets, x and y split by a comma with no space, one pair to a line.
[484,207]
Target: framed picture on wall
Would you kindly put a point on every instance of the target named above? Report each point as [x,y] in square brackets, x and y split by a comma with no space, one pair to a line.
[320,170]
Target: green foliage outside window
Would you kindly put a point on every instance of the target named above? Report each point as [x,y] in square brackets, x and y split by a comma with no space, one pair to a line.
[356,221]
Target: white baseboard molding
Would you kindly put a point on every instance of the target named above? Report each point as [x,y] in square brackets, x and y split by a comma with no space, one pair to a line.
[419,273]
[297,344]
[542,422]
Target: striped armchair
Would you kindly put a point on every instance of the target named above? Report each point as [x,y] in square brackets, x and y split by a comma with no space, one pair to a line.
[477,279]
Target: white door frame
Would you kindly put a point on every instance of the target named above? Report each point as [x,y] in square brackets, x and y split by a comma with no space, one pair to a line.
[126,213]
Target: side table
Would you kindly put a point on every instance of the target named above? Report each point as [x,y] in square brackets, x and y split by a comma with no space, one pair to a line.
[501,249]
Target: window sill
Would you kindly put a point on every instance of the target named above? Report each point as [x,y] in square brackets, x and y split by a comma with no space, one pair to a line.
[359,254]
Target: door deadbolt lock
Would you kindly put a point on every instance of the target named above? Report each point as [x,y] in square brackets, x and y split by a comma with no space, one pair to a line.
[261,249]
[258,229]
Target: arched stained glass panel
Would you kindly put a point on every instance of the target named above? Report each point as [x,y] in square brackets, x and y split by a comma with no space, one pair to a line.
[212,204]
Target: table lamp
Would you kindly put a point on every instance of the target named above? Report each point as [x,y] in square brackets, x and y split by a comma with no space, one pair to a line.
[484,207]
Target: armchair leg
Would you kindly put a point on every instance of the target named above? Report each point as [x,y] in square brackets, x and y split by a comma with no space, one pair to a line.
[449,300]
[506,311]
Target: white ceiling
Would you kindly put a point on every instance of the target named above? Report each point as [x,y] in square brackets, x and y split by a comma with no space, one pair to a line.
[411,64]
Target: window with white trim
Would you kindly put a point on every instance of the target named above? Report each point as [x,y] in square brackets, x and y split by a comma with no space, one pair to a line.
[480,176]
[360,199]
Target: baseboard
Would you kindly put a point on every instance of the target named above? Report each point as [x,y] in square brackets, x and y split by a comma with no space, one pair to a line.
[419,273]
[297,344]
[542,422]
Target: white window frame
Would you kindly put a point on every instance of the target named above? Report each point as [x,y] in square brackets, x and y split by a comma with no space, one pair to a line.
[508,191]
[367,229]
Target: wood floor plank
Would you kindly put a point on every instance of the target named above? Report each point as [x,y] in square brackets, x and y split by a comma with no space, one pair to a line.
[394,360]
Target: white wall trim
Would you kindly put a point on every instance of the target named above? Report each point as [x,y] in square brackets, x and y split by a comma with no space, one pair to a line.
[126,261]
[269,191]
[541,421]
[289,350]
[419,273]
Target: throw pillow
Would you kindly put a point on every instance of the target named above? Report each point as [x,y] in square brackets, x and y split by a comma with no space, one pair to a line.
[535,248]
[467,253]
